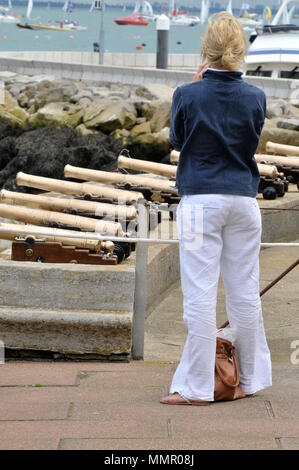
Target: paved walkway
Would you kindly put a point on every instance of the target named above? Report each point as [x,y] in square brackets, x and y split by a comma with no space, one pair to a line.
[114,406]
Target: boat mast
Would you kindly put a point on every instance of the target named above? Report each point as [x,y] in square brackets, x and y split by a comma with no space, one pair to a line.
[280,11]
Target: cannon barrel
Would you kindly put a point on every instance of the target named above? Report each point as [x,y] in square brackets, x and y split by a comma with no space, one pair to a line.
[77,189]
[278,160]
[43,217]
[282,149]
[94,245]
[119,179]
[146,166]
[174,156]
[264,170]
[66,204]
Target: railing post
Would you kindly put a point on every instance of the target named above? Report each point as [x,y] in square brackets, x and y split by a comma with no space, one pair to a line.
[140,296]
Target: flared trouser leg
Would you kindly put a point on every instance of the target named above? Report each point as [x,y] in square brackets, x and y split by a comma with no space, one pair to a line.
[240,274]
[227,239]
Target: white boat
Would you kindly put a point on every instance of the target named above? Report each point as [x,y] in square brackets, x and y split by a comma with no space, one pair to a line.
[184,20]
[249,20]
[5,17]
[181,18]
[145,9]
[68,8]
[274,49]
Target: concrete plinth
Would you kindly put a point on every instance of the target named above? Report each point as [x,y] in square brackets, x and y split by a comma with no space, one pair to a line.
[79,309]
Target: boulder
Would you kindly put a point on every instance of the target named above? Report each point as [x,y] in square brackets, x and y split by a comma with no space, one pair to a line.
[82,130]
[46,151]
[58,114]
[158,114]
[142,128]
[55,95]
[288,123]
[123,135]
[153,146]
[11,112]
[109,115]
[276,108]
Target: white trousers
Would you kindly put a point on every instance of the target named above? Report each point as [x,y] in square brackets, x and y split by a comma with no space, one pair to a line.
[220,234]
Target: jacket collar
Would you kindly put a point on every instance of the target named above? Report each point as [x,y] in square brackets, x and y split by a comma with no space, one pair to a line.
[215,74]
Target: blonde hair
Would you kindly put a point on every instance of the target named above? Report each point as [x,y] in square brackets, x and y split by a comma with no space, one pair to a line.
[224,42]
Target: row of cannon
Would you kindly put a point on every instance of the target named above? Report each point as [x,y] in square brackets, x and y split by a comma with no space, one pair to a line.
[107,203]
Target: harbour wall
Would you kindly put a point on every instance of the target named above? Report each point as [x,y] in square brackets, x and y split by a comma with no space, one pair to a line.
[126,68]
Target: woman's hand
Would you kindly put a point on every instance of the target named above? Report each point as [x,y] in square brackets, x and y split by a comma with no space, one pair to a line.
[198,75]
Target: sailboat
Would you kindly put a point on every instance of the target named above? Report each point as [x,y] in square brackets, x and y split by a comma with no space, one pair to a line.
[67,22]
[248,19]
[204,11]
[37,26]
[4,17]
[178,18]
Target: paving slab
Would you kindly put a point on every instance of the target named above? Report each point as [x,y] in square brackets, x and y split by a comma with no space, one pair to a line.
[110,406]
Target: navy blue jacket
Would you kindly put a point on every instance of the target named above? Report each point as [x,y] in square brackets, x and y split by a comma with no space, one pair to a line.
[216,125]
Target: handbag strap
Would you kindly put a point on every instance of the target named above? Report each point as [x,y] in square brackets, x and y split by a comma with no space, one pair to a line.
[236,366]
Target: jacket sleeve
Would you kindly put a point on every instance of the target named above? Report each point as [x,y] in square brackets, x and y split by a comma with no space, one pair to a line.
[176,134]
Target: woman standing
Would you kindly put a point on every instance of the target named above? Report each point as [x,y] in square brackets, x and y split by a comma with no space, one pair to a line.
[216,124]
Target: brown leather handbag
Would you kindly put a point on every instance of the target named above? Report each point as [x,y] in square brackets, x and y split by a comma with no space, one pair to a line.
[226,372]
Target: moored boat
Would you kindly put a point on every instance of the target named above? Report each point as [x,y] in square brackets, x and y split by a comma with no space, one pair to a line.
[135,20]
[274,49]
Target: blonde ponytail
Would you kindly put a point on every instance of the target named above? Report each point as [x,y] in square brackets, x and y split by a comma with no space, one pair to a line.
[224,42]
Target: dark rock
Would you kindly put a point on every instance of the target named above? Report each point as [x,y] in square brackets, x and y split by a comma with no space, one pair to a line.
[7,150]
[46,151]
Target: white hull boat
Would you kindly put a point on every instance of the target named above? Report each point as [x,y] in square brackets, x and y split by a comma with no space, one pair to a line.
[274,49]
[8,18]
[183,20]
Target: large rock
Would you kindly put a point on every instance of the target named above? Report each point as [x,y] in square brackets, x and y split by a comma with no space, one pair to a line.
[59,114]
[291,124]
[12,112]
[276,108]
[142,128]
[152,146]
[46,151]
[158,114]
[108,115]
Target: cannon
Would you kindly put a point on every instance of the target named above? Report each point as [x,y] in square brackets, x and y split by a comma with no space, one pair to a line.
[289,166]
[59,220]
[60,246]
[87,191]
[161,169]
[119,179]
[282,149]
[70,205]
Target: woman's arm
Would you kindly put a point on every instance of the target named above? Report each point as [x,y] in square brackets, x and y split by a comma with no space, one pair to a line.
[176,135]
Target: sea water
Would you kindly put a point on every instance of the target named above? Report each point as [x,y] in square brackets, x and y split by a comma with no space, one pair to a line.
[182,39]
